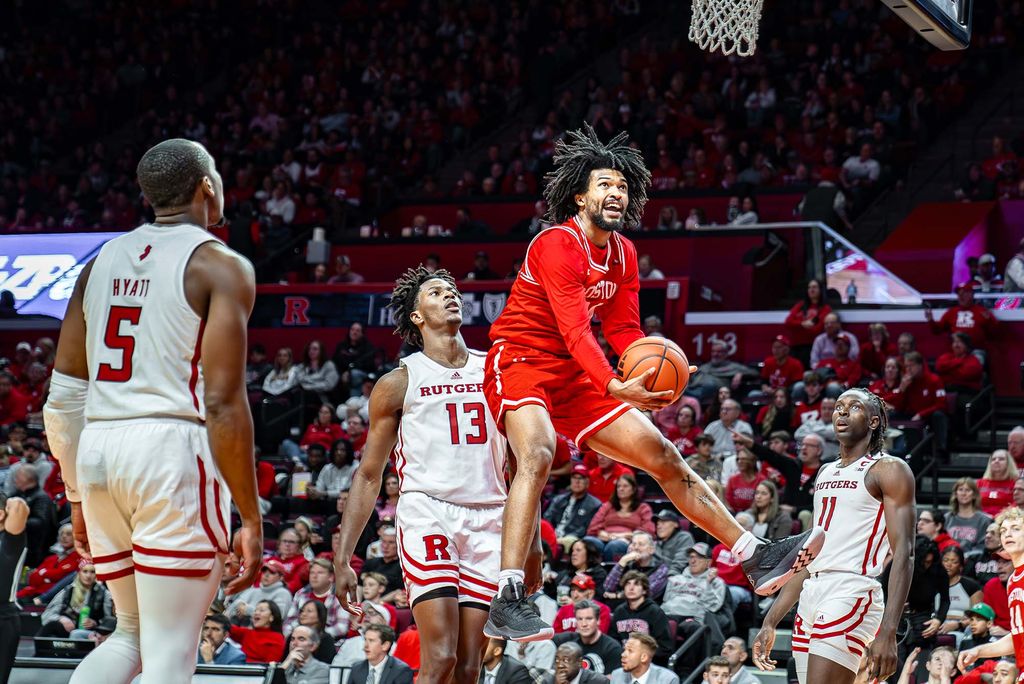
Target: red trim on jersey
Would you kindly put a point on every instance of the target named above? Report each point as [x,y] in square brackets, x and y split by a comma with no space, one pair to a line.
[871,542]
[463,591]
[850,637]
[202,506]
[881,538]
[600,424]
[117,574]
[849,628]
[429,568]
[469,578]
[420,582]
[216,509]
[849,615]
[112,557]
[193,381]
[400,458]
[172,572]
[174,553]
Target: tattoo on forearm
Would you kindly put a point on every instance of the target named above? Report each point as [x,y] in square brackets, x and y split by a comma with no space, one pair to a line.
[706,500]
[690,482]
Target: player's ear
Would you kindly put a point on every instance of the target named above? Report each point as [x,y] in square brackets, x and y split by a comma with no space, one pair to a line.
[416,317]
[207,187]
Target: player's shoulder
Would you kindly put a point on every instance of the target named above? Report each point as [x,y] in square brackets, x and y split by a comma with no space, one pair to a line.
[884,467]
[388,393]
[566,233]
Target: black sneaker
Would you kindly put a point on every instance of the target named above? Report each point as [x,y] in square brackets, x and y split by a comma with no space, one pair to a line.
[774,562]
[512,617]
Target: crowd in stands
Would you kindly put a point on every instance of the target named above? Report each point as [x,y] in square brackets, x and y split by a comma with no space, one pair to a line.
[626,576]
[998,176]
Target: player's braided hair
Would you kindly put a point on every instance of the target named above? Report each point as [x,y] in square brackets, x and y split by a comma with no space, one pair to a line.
[403,300]
[580,154]
[876,403]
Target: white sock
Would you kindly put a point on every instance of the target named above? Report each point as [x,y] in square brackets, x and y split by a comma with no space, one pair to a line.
[745,545]
[510,577]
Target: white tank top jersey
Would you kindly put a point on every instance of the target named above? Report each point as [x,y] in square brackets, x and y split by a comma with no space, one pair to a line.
[448,446]
[142,337]
[856,540]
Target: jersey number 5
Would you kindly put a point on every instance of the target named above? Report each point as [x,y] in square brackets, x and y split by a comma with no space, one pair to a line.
[478,421]
[116,341]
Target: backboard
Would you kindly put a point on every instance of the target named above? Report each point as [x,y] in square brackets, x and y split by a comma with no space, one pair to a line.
[946,24]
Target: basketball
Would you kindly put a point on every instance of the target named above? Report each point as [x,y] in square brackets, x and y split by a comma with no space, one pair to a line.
[671,367]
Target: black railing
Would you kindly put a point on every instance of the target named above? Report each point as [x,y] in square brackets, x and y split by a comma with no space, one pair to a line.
[931,467]
[696,675]
[690,642]
[977,411]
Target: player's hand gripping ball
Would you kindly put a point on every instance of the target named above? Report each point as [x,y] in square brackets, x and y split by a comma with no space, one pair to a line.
[671,367]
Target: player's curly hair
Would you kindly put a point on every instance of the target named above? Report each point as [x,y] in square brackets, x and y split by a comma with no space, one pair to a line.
[877,405]
[580,154]
[403,300]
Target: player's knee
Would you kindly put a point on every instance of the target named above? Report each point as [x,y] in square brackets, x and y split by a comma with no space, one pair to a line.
[535,461]
[467,672]
[439,665]
[665,462]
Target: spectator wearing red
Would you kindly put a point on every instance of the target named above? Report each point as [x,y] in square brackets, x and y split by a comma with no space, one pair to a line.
[604,477]
[810,407]
[616,521]
[780,369]
[922,397]
[63,562]
[967,317]
[959,368]
[846,371]
[741,487]
[666,175]
[263,642]
[323,431]
[730,569]
[1001,155]
[13,404]
[19,365]
[994,593]
[888,386]
[806,320]
[581,588]
[876,349]
[686,423]
[996,485]
[293,563]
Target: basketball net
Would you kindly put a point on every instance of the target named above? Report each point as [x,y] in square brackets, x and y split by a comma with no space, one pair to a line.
[726,25]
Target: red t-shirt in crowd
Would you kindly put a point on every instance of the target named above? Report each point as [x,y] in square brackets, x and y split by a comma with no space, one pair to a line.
[296,571]
[602,486]
[805,411]
[565,280]
[873,360]
[975,320]
[565,618]
[324,435]
[848,372]
[729,567]
[965,371]
[995,495]
[261,645]
[13,407]
[685,442]
[995,595]
[739,492]
[925,395]
[785,374]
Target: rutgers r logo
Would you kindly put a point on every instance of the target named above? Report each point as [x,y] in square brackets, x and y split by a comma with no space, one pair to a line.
[436,547]
[295,309]
[602,290]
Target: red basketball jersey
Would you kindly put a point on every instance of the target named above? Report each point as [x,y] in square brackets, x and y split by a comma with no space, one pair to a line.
[1015,599]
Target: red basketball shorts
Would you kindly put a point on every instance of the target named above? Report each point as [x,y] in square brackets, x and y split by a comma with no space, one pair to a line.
[516,376]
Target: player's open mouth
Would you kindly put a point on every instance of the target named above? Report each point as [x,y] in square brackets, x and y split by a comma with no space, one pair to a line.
[454,306]
[613,209]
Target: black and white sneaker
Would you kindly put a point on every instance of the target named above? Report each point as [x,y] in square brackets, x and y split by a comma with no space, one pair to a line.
[512,617]
[774,562]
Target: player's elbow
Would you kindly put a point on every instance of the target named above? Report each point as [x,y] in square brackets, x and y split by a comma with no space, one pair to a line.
[222,401]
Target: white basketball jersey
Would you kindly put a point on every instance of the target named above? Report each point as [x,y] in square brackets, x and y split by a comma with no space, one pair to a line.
[142,337]
[448,445]
[855,536]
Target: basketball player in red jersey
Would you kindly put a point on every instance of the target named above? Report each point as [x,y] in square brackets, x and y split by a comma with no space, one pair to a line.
[546,373]
[152,356]
[451,467]
[865,502]
[1011,532]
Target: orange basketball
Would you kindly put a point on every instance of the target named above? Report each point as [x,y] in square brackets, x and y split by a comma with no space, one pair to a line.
[671,367]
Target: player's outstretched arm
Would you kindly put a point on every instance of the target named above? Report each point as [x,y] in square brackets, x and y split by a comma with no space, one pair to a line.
[385,412]
[231,285]
[896,482]
[993,649]
[765,639]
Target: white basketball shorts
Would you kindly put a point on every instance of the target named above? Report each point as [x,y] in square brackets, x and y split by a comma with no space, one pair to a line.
[837,618]
[152,497]
[447,546]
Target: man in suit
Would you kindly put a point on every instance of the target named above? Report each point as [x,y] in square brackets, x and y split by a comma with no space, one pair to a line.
[214,648]
[569,667]
[570,513]
[379,667]
[300,667]
[499,668]
[637,668]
